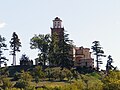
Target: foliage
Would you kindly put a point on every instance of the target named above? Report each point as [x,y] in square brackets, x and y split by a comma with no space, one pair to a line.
[54,50]
[24,81]
[78,85]
[69,74]
[41,42]
[6,83]
[60,51]
[96,75]
[16,76]
[22,84]
[55,72]
[91,81]
[62,74]
[109,65]
[4,72]
[112,81]
[75,74]
[97,49]
[58,73]
[15,44]
[66,56]
[3,46]
[24,60]
[25,76]
[38,73]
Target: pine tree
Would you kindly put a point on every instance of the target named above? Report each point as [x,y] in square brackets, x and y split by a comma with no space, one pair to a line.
[60,51]
[97,49]
[15,44]
[54,51]
[3,47]
[65,48]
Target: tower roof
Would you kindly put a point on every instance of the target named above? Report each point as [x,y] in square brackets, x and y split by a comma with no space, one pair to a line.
[57,19]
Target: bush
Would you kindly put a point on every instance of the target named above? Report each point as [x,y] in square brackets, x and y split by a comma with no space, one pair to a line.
[53,73]
[16,76]
[59,74]
[24,85]
[21,84]
[112,81]
[92,83]
[25,76]
[7,84]
[24,81]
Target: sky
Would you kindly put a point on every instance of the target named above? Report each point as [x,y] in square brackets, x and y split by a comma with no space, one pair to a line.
[84,20]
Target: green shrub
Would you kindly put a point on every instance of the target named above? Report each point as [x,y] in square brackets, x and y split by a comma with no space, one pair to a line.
[112,81]
[7,84]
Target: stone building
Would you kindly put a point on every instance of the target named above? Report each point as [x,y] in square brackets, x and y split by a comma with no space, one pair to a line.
[81,56]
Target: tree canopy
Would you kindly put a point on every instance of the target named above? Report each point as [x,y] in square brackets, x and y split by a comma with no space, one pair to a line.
[41,42]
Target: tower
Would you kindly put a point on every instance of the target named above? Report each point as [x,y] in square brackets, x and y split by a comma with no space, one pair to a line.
[57,29]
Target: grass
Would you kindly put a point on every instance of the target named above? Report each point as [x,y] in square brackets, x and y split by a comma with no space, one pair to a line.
[50,84]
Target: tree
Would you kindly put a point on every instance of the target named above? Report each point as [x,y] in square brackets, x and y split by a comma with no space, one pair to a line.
[3,46]
[109,66]
[38,74]
[54,50]
[60,51]
[24,80]
[24,60]
[15,44]
[97,49]
[41,42]
[66,47]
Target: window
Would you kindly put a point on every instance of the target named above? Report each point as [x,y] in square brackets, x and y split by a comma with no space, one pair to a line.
[85,63]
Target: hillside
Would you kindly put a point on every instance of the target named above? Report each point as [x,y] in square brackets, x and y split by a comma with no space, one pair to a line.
[55,78]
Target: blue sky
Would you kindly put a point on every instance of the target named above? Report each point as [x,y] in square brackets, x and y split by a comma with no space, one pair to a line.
[84,20]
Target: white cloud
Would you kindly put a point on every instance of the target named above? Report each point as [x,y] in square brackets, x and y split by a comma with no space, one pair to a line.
[2,24]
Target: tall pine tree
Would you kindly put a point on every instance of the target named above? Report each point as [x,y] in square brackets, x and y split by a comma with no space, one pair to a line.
[98,52]
[15,45]
[60,51]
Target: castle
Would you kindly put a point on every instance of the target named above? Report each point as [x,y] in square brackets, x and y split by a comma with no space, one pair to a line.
[81,55]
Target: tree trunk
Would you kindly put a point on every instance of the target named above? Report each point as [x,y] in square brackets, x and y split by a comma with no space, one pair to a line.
[14,60]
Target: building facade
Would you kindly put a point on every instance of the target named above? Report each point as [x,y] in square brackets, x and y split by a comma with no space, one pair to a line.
[82,57]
